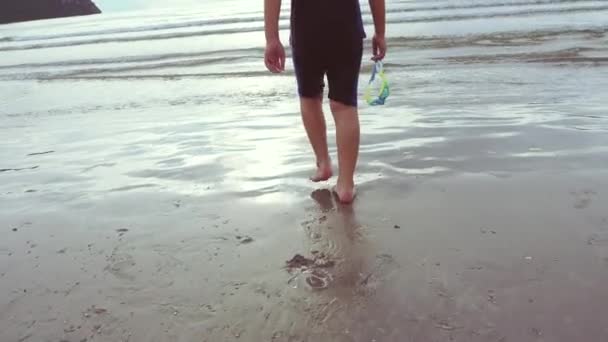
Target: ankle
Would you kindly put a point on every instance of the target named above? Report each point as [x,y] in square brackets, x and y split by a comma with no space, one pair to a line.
[326,163]
[346,183]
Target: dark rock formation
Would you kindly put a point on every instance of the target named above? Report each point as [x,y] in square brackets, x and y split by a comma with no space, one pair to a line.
[24,10]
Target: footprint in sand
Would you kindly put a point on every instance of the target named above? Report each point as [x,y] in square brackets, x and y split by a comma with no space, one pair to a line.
[383,268]
[121,266]
[310,273]
[583,198]
[599,241]
[317,279]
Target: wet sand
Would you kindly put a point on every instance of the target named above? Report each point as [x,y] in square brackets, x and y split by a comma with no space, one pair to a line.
[153,182]
[463,258]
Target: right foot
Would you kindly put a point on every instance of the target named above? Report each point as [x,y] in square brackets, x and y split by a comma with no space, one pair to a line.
[323,173]
[346,192]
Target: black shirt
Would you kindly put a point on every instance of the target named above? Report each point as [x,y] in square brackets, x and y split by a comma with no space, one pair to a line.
[316,23]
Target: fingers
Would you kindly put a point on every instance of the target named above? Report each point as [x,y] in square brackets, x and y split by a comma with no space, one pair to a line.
[380,54]
[379,50]
[275,60]
[374,49]
[269,64]
[280,65]
[273,64]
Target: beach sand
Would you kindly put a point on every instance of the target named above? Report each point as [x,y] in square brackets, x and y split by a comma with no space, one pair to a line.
[463,258]
[153,182]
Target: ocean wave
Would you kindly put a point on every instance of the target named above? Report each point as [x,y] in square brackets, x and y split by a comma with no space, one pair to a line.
[167,76]
[585,46]
[258,18]
[570,56]
[501,39]
[233,53]
[259,28]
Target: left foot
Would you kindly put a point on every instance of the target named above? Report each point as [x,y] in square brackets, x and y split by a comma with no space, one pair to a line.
[323,173]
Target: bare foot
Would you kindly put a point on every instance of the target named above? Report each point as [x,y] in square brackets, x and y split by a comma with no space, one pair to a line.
[346,192]
[323,173]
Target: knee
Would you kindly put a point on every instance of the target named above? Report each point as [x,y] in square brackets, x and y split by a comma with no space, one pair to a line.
[339,107]
[311,104]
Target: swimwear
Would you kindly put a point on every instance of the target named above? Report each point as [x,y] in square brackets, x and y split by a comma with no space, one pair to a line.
[327,40]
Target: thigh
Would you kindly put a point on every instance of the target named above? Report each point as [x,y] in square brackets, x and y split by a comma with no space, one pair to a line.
[310,70]
[343,72]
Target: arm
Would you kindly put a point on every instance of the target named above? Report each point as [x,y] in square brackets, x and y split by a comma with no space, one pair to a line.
[274,56]
[379,14]
[272,10]
[379,41]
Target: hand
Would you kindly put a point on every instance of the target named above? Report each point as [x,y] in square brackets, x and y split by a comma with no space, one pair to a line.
[379,47]
[274,57]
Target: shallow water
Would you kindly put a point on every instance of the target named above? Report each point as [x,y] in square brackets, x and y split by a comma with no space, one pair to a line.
[477,86]
[165,122]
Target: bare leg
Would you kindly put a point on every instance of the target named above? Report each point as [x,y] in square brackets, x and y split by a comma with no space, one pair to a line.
[347,139]
[314,122]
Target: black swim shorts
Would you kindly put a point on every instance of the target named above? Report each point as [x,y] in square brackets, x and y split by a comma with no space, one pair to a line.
[340,63]
[327,40]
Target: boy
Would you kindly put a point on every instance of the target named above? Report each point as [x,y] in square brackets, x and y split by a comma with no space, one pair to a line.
[327,39]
